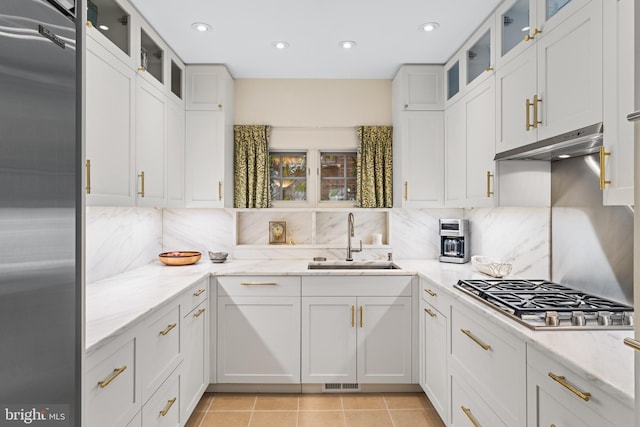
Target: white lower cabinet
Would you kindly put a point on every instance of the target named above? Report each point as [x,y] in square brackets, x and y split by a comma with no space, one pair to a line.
[357,329]
[468,408]
[195,366]
[434,331]
[258,329]
[557,395]
[163,408]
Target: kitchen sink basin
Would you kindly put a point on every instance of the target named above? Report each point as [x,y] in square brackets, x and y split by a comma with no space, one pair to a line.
[353,265]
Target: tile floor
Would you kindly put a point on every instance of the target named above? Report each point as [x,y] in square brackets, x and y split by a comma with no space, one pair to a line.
[315,410]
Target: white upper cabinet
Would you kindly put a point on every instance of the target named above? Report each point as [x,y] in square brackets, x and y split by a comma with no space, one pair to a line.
[421,87]
[479,55]
[618,101]
[206,88]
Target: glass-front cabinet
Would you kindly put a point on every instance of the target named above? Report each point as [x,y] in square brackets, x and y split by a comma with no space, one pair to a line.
[479,57]
[453,80]
[111,20]
[151,56]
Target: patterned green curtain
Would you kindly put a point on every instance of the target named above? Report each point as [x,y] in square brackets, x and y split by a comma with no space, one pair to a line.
[374,167]
[251,166]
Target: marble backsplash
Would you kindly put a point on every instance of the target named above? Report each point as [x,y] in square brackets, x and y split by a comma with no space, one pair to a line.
[120,239]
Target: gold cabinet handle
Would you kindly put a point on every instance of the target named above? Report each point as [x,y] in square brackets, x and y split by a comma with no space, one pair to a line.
[563,382]
[170,403]
[527,105]
[534,33]
[406,190]
[199,313]
[632,343]
[113,376]
[142,69]
[603,181]
[429,312]
[89,24]
[430,292]
[141,176]
[220,106]
[219,190]
[469,415]
[468,333]
[88,170]
[489,176]
[168,329]
[536,101]
[258,283]
[361,323]
[489,68]
[353,316]
[198,292]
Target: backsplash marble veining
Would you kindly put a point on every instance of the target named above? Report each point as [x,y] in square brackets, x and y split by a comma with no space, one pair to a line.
[120,239]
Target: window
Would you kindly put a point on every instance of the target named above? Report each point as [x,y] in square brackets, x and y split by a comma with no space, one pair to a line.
[288,172]
[338,176]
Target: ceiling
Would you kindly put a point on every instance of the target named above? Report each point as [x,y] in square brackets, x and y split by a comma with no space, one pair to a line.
[387,33]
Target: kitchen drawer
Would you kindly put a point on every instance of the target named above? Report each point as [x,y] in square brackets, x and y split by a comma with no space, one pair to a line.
[338,286]
[564,405]
[433,295]
[468,408]
[197,293]
[163,409]
[159,349]
[271,286]
[492,360]
[110,385]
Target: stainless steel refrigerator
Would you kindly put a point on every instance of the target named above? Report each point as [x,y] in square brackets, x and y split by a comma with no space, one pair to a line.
[40,201]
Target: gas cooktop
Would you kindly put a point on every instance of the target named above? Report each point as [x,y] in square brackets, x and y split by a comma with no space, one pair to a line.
[540,304]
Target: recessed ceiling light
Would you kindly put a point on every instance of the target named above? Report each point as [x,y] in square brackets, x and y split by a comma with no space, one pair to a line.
[281,44]
[347,44]
[429,26]
[564,156]
[201,26]
[525,29]
[103,27]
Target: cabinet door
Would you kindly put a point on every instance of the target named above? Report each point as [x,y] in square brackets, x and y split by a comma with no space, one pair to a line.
[175,154]
[329,326]
[422,145]
[151,142]
[195,366]
[512,17]
[570,73]
[205,166]
[422,87]
[384,340]
[206,87]
[433,348]
[258,340]
[455,154]
[110,92]
[163,409]
[618,101]
[515,85]
[480,147]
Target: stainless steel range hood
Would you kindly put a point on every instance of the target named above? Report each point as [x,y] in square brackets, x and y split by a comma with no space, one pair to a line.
[576,143]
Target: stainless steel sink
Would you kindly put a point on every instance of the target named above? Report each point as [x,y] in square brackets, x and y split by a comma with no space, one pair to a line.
[353,265]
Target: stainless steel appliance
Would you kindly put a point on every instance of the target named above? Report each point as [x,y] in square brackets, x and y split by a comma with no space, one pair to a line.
[454,240]
[40,211]
[540,304]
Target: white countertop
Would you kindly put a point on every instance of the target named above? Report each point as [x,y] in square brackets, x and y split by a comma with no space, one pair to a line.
[113,304]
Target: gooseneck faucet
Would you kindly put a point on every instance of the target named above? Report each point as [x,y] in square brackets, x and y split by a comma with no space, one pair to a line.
[350,233]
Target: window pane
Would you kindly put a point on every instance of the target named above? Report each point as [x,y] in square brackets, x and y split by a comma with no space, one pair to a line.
[337,176]
[294,166]
[288,172]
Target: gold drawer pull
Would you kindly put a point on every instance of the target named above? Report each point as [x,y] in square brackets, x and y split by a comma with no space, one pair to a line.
[353,316]
[429,312]
[219,190]
[258,283]
[489,176]
[113,376]
[198,293]
[87,188]
[603,181]
[563,381]
[406,190]
[536,100]
[361,323]
[469,415]
[632,343]
[169,328]
[141,176]
[170,403]
[199,313]
[528,104]
[468,333]
[430,292]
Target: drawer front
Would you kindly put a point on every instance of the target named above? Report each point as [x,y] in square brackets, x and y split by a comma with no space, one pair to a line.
[110,387]
[349,286]
[492,360]
[564,395]
[431,294]
[468,409]
[163,409]
[195,295]
[271,286]
[160,349]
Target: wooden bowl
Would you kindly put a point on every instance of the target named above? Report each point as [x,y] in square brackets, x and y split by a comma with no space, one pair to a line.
[180,258]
